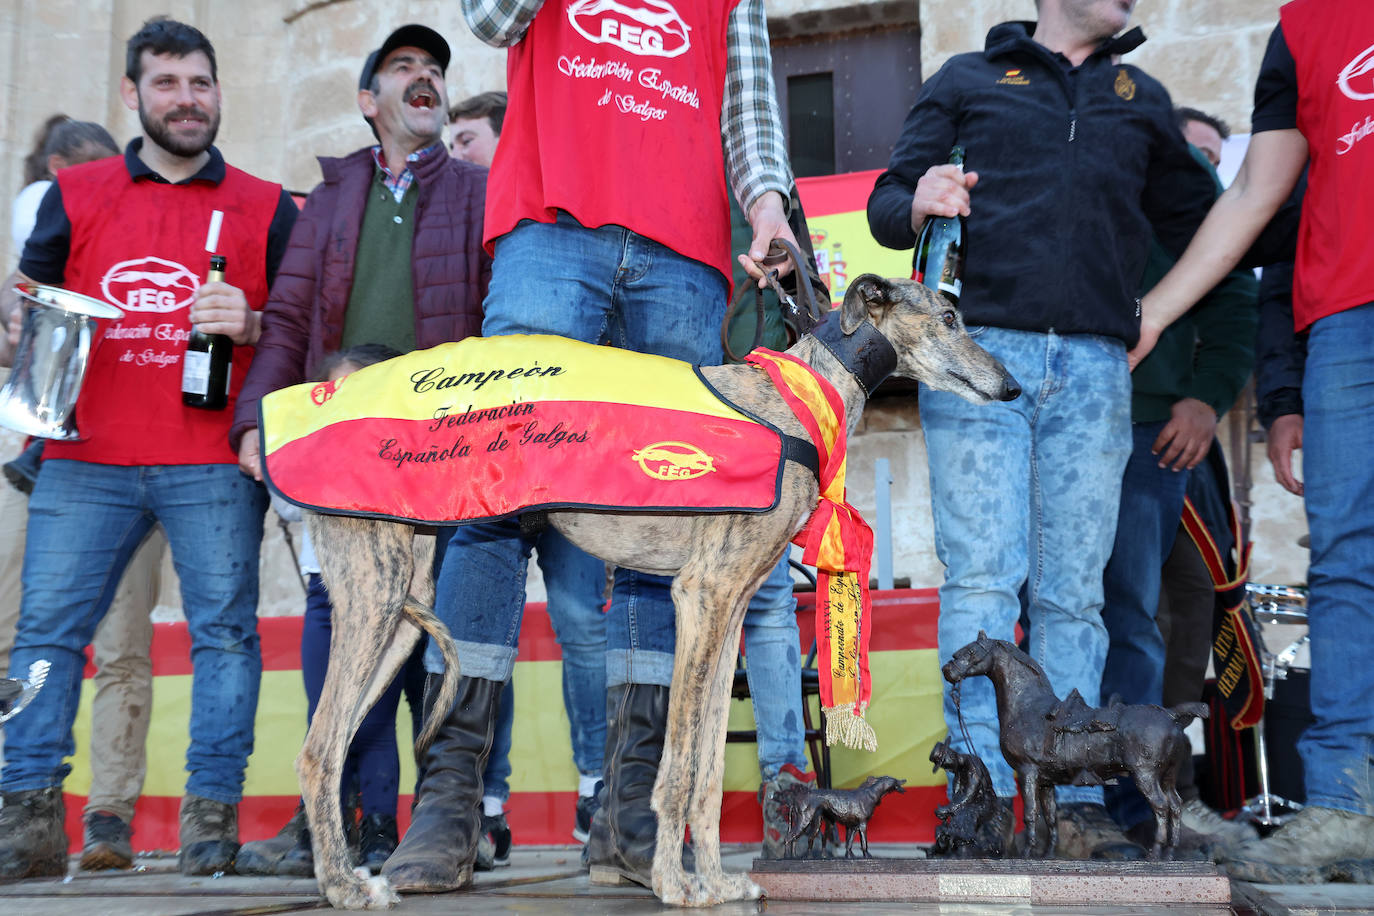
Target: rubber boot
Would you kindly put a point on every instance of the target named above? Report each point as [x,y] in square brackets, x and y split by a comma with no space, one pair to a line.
[625,830]
[33,840]
[438,850]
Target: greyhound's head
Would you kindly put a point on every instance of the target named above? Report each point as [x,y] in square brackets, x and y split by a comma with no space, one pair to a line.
[929,336]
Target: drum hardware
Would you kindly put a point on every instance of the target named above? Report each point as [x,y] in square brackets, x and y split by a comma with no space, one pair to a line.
[1278,604]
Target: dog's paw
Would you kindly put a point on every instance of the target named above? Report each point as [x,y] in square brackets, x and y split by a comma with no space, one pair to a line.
[363,892]
[696,891]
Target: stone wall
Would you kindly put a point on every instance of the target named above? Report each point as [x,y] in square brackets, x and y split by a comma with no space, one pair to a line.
[289,68]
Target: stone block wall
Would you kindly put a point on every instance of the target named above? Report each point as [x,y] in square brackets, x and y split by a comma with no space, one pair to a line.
[289,71]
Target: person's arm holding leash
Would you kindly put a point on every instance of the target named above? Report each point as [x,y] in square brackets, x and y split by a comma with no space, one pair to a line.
[751,134]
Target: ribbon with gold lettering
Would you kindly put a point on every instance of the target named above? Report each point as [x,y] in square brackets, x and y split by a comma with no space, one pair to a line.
[837,541]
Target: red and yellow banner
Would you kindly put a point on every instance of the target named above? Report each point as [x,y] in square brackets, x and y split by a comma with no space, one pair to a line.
[906,678]
[487,427]
[837,214]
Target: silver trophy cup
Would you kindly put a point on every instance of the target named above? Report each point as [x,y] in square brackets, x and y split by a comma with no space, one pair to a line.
[39,398]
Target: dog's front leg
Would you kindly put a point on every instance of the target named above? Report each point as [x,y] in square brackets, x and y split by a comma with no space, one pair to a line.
[710,609]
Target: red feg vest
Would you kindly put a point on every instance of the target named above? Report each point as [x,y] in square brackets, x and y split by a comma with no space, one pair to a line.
[1332,42]
[140,246]
[614,117]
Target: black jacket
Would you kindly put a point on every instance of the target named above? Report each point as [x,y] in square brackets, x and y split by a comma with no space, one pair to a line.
[1075,165]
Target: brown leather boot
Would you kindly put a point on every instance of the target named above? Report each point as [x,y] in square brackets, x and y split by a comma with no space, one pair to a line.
[33,842]
[624,830]
[438,850]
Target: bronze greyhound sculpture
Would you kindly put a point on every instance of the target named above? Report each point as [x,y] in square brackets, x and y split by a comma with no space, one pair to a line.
[718,561]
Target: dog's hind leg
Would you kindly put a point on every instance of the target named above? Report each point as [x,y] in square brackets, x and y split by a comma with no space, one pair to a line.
[367,567]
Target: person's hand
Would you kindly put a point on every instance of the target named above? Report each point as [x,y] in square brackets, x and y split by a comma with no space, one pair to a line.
[768,218]
[14,324]
[250,455]
[942,191]
[1285,437]
[1185,439]
[1149,336]
[222,309]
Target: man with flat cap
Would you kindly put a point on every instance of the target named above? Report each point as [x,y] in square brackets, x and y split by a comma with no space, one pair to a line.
[387,250]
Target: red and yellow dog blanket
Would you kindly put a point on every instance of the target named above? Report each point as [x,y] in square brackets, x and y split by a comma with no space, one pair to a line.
[491,427]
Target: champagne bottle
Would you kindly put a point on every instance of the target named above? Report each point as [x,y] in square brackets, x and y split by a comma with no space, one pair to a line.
[206,364]
[939,259]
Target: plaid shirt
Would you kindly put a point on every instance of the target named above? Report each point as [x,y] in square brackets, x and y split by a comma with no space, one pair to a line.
[751,130]
[399,184]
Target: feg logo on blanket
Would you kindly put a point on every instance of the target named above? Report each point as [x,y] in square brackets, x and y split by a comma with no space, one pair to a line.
[649,28]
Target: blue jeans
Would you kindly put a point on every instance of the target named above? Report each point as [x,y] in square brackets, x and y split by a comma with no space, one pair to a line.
[85,521]
[1147,524]
[1338,467]
[373,758]
[1026,493]
[773,666]
[595,285]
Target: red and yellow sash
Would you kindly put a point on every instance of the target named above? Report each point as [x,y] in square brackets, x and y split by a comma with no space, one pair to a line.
[489,427]
[838,542]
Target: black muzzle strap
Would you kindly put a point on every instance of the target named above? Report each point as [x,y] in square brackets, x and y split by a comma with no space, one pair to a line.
[866,354]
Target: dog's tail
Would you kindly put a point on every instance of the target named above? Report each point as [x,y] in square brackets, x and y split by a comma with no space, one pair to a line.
[424,618]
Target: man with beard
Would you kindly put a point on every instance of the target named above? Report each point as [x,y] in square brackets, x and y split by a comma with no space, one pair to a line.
[134,231]
[388,250]
[1025,494]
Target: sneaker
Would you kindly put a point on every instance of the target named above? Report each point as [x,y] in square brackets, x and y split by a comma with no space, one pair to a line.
[1215,835]
[377,841]
[498,831]
[1087,831]
[261,857]
[1317,845]
[775,811]
[586,810]
[105,842]
[486,854]
[209,836]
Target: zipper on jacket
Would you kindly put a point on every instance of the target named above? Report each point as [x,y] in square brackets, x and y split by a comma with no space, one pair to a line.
[1073,123]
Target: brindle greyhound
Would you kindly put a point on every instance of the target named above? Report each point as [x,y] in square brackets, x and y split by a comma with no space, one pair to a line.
[718,561]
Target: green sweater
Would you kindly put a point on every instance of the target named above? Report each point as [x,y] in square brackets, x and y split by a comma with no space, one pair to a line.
[1207,354]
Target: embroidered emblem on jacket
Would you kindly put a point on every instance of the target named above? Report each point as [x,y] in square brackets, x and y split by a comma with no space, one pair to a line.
[1013,77]
[1125,86]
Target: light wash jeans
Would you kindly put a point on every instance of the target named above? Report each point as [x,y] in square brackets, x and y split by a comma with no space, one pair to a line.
[772,664]
[1026,493]
[85,521]
[596,285]
[1151,506]
[1338,470]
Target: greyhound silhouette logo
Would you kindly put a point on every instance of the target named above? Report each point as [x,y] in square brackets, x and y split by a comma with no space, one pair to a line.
[673,461]
[1356,79]
[648,28]
[149,285]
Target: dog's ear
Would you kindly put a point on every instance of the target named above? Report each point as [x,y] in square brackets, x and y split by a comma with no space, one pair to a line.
[982,636]
[865,292]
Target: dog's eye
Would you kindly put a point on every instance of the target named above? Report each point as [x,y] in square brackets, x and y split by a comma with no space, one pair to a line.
[949,318]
